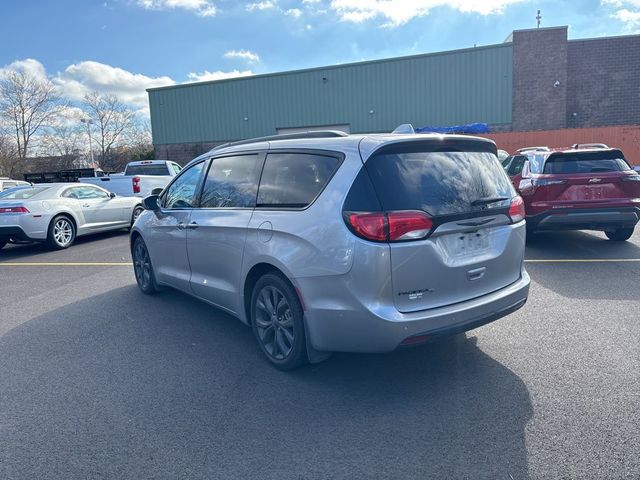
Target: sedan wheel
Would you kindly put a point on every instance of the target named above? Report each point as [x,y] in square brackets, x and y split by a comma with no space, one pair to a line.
[142,267]
[619,235]
[62,233]
[136,213]
[277,321]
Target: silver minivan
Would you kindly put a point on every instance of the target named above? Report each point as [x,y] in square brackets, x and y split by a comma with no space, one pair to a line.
[326,242]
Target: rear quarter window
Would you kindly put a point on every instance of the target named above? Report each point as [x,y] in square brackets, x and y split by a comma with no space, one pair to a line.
[294,180]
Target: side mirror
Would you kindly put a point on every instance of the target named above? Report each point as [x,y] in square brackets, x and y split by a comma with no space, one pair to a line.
[151,203]
[112,195]
[157,191]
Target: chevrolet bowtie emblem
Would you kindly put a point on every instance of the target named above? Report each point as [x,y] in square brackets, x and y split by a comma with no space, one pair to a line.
[595,180]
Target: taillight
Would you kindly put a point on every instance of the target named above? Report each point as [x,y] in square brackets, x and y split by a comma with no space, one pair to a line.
[370,226]
[136,184]
[389,226]
[412,225]
[516,210]
[14,210]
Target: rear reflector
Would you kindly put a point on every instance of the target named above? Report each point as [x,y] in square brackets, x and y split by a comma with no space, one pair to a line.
[14,210]
[396,226]
[516,210]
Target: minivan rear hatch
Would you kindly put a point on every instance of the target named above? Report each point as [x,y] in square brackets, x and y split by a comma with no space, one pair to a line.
[473,247]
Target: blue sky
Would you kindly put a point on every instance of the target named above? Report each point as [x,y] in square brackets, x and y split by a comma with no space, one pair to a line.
[123,46]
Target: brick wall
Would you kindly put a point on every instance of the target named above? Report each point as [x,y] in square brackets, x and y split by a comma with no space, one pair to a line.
[539,61]
[604,82]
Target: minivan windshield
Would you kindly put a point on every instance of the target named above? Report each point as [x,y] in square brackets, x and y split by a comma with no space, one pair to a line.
[440,183]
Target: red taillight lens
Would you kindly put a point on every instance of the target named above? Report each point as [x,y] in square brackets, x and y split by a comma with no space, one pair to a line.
[14,210]
[516,210]
[136,184]
[411,225]
[391,226]
[368,225]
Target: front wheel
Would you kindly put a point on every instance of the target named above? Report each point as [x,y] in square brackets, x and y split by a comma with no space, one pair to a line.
[61,233]
[277,322]
[136,213]
[620,234]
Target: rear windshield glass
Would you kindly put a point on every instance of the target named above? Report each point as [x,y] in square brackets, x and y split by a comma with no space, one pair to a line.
[585,163]
[22,193]
[149,169]
[440,183]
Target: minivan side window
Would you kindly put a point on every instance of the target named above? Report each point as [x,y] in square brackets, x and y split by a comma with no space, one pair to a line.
[232,182]
[294,180]
[182,192]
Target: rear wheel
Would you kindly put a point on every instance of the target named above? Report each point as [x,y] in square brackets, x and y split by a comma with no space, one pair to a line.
[142,268]
[136,213]
[620,234]
[277,322]
[61,233]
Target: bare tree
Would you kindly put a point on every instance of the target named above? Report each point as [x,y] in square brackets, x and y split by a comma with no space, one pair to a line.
[63,140]
[113,122]
[27,104]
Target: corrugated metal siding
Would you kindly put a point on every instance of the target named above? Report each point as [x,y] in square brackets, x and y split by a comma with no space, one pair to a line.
[626,138]
[463,86]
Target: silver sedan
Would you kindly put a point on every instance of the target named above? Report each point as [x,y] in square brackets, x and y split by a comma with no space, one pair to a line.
[57,213]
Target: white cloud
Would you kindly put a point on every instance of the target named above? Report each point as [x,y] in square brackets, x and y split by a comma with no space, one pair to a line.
[310,2]
[217,75]
[29,66]
[264,5]
[399,12]
[204,8]
[293,12]
[81,78]
[247,55]
[626,11]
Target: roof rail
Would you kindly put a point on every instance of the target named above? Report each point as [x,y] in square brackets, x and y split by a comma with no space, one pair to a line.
[533,149]
[285,136]
[578,146]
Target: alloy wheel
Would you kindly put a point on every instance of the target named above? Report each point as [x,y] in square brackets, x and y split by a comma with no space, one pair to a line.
[142,265]
[63,232]
[274,322]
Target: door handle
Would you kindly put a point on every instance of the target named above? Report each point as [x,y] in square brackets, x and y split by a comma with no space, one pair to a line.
[181,226]
[86,205]
[192,226]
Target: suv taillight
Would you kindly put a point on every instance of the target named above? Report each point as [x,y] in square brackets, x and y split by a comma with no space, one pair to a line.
[516,210]
[397,226]
[14,210]
[136,184]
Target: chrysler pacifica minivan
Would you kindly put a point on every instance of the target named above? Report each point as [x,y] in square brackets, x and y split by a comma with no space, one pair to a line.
[326,242]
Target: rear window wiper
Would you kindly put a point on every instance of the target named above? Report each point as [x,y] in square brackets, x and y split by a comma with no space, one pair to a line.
[488,200]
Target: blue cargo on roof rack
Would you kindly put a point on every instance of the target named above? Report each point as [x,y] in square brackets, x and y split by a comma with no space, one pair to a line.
[469,128]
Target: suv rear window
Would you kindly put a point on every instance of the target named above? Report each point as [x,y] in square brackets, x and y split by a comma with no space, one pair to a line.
[294,180]
[148,169]
[583,162]
[439,183]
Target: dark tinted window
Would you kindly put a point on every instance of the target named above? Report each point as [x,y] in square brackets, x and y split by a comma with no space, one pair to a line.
[148,169]
[182,192]
[439,183]
[294,179]
[362,196]
[516,165]
[592,162]
[231,182]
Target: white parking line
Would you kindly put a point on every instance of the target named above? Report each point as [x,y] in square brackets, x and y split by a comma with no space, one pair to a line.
[65,264]
[582,260]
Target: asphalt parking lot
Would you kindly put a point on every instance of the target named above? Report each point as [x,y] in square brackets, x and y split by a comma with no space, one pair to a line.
[100,381]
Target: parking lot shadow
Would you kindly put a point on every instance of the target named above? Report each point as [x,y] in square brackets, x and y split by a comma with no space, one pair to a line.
[122,385]
[578,245]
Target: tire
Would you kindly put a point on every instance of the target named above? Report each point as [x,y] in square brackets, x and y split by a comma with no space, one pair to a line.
[136,213]
[61,233]
[143,269]
[620,234]
[280,337]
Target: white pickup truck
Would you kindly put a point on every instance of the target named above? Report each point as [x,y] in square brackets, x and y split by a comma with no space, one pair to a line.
[139,179]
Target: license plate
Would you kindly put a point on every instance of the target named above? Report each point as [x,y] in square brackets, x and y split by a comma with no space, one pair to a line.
[463,244]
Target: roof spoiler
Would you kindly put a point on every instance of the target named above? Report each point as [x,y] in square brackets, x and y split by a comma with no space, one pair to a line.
[533,149]
[578,146]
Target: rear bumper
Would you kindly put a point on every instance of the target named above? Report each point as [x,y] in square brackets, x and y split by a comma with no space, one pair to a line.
[585,219]
[15,232]
[382,328]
